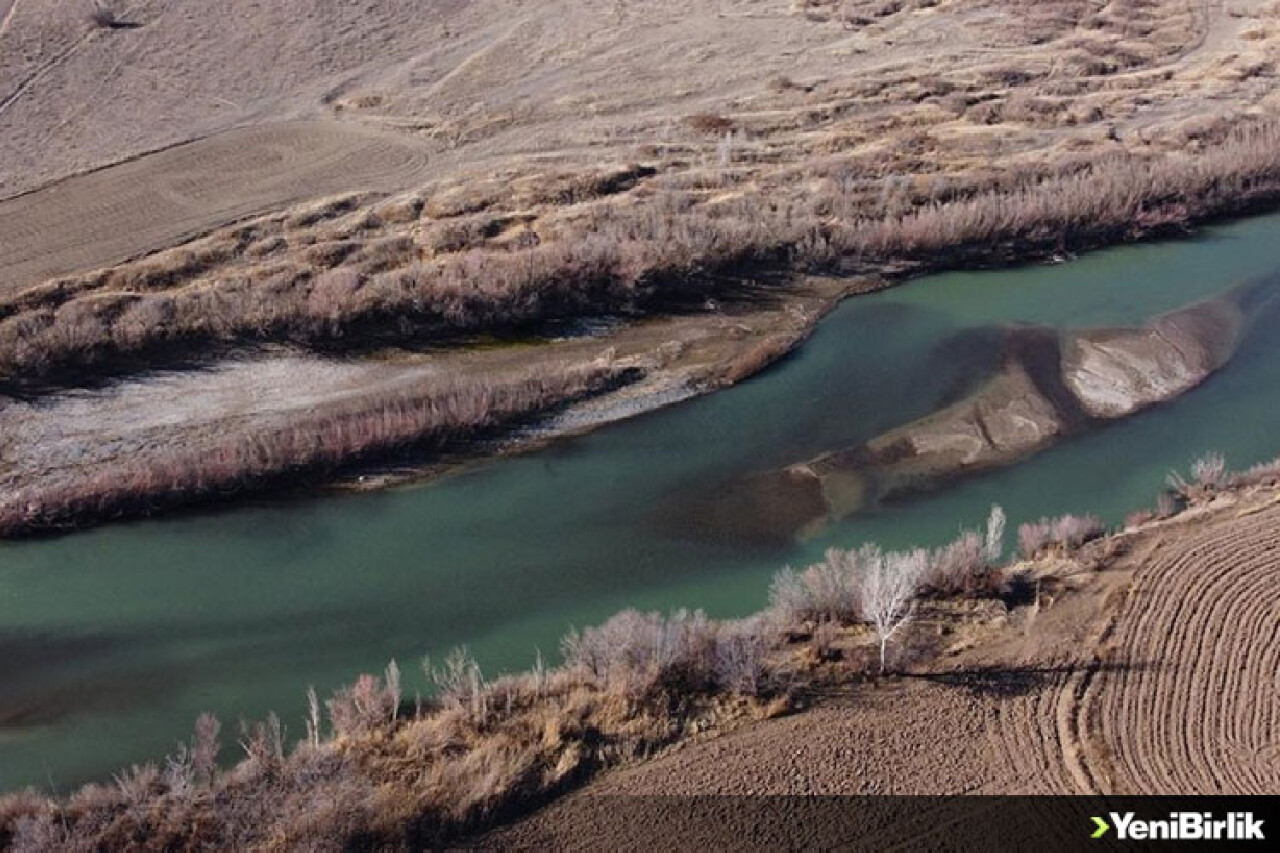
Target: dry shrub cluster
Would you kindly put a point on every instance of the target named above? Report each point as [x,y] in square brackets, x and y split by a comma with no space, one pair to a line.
[834,590]
[1206,477]
[1207,473]
[666,244]
[1067,531]
[1263,473]
[421,417]
[636,653]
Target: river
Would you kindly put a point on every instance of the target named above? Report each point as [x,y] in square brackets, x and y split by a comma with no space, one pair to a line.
[114,639]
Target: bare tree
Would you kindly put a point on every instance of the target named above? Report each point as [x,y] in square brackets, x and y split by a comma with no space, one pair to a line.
[889,584]
[993,545]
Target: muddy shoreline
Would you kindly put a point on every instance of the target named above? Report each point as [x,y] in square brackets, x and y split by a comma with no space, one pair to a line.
[656,361]
[732,342]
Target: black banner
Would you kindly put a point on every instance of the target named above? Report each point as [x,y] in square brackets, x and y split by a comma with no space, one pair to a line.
[959,823]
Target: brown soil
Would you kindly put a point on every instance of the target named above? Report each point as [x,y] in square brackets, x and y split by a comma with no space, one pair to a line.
[1151,669]
[146,205]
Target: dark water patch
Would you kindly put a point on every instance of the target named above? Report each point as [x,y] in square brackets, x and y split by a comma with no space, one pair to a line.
[1038,351]
[765,510]
[106,691]
[966,360]
[26,656]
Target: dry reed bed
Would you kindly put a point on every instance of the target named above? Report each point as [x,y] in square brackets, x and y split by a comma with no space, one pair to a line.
[423,417]
[624,256]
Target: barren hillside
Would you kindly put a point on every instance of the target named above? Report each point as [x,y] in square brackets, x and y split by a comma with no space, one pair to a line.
[344,177]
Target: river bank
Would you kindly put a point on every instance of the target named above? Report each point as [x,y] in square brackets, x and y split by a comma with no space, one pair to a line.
[1073,129]
[145,625]
[740,327]
[1048,699]
[1064,629]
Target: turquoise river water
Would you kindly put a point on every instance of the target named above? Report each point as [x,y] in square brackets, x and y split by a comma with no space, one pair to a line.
[114,639]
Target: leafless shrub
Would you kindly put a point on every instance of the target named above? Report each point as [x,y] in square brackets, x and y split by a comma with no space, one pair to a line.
[1264,472]
[460,684]
[205,747]
[1209,470]
[637,653]
[993,542]
[1033,537]
[964,566]
[825,635]
[367,704]
[823,591]
[179,772]
[1069,531]
[391,680]
[41,832]
[138,784]
[740,649]
[958,566]
[263,744]
[313,719]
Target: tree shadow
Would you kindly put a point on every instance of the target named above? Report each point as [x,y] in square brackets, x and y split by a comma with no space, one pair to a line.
[1007,682]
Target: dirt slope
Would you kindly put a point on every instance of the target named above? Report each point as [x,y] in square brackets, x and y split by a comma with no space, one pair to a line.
[144,205]
[1203,714]
[1157,675]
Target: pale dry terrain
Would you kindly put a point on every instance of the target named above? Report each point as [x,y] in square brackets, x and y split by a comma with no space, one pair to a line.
[202,180]
[891,100]
[149,204]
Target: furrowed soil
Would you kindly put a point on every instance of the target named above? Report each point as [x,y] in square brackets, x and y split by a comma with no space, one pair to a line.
[1151,670]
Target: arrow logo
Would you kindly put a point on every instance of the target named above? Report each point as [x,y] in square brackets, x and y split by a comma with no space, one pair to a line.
[1102,828]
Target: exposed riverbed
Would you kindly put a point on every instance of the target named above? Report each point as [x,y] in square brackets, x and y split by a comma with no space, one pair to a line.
[113,640]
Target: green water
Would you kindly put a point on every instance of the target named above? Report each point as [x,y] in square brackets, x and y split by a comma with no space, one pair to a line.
[113,640]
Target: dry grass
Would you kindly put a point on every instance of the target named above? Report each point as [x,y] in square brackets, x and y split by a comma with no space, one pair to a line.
[623,256]
[422,418]
[1034,128]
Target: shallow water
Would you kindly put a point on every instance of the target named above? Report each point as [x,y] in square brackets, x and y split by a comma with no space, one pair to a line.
[113,640]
